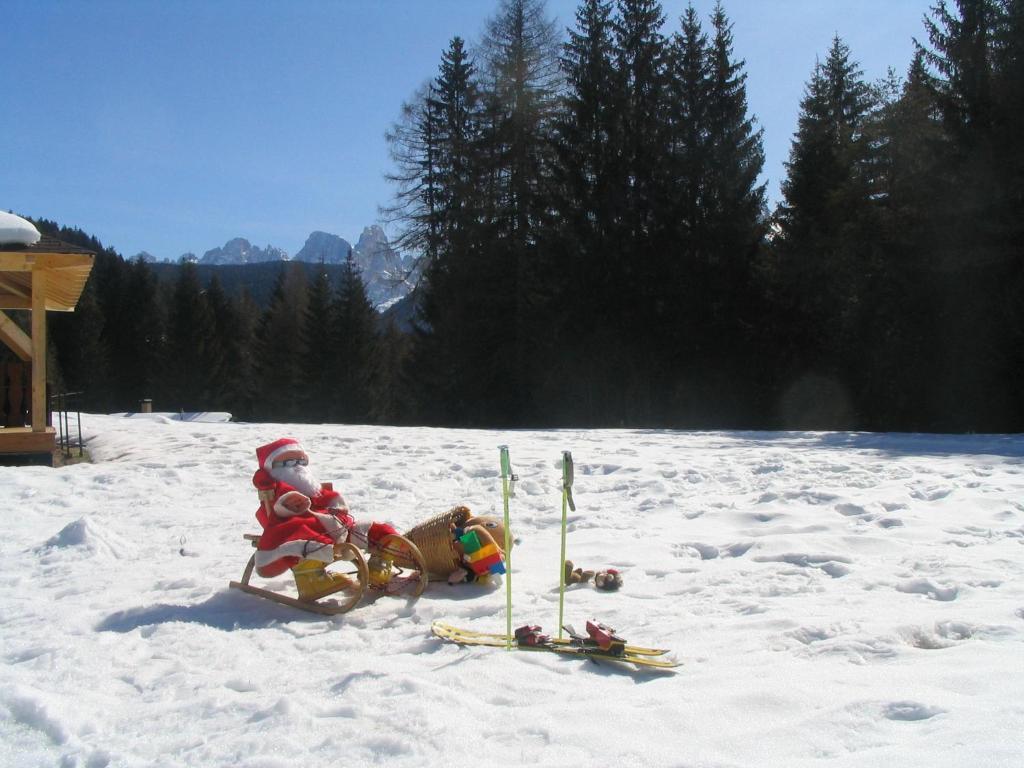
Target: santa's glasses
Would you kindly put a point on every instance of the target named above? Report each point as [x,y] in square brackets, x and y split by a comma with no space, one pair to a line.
[291,463]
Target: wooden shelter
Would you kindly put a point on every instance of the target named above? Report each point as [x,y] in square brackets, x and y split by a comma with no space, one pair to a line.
[49,275]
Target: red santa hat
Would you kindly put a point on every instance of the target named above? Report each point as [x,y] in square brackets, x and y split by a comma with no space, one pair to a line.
[266,454]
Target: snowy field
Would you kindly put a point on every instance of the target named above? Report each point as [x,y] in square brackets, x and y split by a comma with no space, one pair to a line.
[835,600]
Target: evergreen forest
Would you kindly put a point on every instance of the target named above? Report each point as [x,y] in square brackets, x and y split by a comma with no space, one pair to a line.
[596,248]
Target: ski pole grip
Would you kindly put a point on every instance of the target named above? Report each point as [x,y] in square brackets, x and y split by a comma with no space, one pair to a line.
[506,462]
[567,478]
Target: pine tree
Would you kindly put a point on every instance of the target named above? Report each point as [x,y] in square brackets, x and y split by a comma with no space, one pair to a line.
[829,154]
[319,347]
[280,368]
[234,323]
[734,201]
[642,59]
[355,348]
[978,210]
[896,364]
[455,104]
[521,83]
[445,167]
[686,281]
[1008,115]
[963,53]
[587,131]
[647,255]
[414,145]
[388,383]
[1008,125]
[520,51]
[134,335]
[718,157]
[191,360]
[825,244]
[588,195]
[690,101]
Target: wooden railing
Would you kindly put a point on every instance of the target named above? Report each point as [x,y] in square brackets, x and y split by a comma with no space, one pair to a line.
[15,394]
[69,433]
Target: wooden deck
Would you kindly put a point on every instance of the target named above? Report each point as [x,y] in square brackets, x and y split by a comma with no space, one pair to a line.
[20,445]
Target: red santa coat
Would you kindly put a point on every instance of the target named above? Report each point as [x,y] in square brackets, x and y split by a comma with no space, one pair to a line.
[288,537]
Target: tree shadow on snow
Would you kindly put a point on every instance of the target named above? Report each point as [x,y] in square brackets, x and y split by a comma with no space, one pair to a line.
[894,444]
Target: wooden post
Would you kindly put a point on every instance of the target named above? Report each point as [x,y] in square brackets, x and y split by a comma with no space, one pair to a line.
[16,409]
[39,404]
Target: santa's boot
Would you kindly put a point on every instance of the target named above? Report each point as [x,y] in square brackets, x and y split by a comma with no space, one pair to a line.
[314,582]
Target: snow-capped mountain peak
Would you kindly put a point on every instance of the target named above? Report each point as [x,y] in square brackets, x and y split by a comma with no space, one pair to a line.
[324,247]
[241,251]
[386,273]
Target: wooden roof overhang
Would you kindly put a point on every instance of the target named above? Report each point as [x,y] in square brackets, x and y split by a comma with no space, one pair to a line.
[66,266]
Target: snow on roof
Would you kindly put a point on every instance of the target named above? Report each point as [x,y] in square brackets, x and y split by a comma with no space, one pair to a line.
[15,230]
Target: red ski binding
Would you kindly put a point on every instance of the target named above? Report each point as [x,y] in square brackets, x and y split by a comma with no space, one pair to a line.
[605,638]
[530,634]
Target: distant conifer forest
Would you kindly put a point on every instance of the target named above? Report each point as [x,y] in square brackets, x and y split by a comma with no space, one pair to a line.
[597,250]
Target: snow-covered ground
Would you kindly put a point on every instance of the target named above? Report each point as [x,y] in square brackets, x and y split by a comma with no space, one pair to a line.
[835,599]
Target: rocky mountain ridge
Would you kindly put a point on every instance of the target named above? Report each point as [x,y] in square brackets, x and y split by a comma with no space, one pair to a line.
[389,275]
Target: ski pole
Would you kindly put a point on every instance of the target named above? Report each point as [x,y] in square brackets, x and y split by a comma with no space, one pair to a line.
[567,503]
[507,489]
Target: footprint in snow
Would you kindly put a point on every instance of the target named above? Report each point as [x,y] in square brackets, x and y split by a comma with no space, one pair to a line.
[688,549]
[851,510]
[946,634]
[910,711]
[929,589]
[834,565]
[710,551]
[931,494]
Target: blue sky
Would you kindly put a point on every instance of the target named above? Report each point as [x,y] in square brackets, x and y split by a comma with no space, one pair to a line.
[175,126]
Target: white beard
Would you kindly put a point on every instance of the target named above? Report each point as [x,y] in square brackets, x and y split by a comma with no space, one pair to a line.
[298,477]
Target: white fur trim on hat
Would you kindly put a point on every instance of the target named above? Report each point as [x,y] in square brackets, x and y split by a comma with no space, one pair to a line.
[295,445]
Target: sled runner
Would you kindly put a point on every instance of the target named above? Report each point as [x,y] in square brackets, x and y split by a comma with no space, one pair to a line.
[351,585]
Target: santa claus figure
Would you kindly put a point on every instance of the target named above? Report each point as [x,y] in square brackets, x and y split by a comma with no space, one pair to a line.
[302,520]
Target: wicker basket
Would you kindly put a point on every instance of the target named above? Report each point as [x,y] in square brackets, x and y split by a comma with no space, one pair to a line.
[434,538]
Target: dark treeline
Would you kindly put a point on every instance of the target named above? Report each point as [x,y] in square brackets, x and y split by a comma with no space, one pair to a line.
[315,351]
[597,249]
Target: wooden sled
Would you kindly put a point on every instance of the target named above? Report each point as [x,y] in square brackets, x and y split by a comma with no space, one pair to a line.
[360,579]
[397,563]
